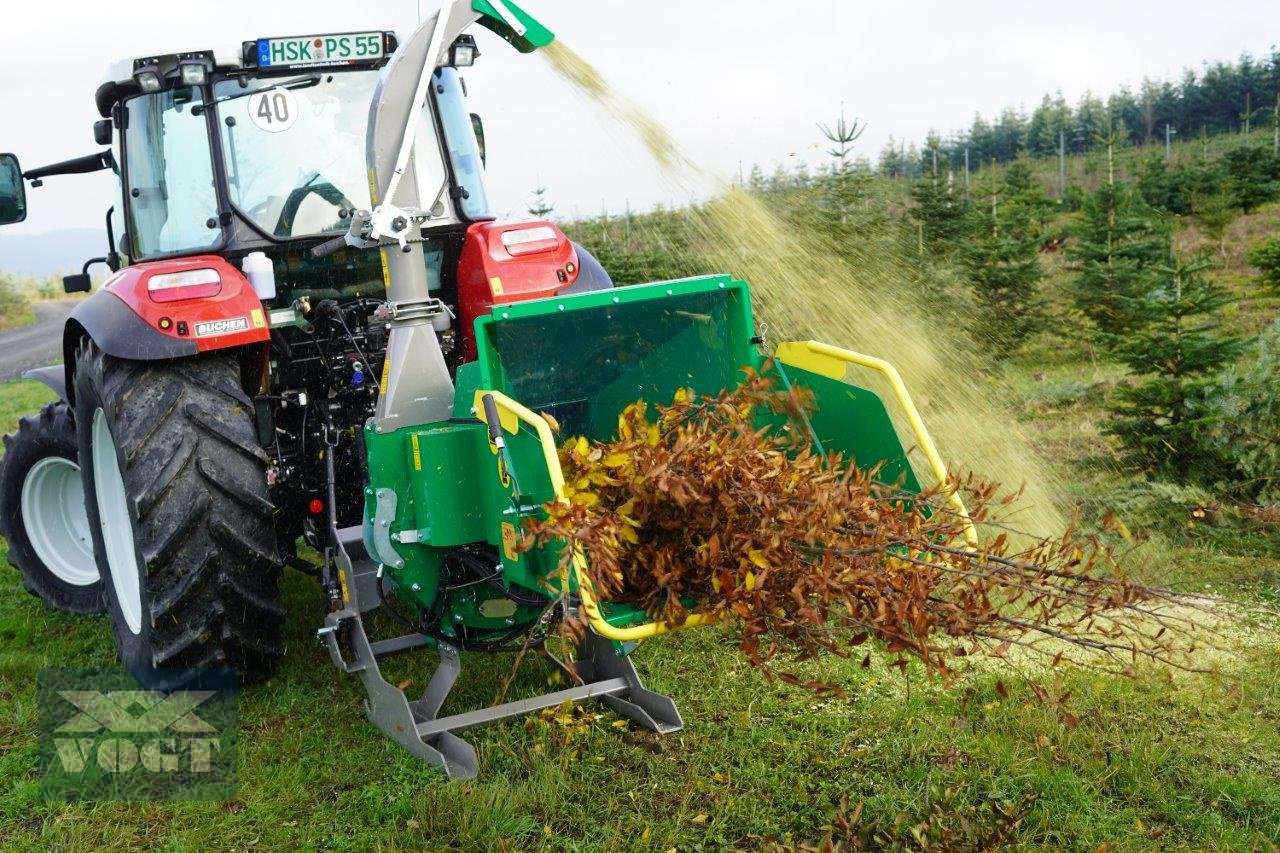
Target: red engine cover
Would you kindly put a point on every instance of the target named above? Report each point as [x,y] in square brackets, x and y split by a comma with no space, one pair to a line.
[227,314]
[506,262]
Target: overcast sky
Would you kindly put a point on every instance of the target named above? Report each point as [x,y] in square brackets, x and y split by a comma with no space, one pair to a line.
[736,82]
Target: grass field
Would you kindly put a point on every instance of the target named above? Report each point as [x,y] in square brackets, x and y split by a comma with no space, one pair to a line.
[1190,764]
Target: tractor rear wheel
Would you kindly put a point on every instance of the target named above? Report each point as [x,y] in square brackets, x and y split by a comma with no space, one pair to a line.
[183,529]
[42,513]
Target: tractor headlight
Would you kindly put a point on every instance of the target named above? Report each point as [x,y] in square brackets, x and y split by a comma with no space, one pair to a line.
[464,52]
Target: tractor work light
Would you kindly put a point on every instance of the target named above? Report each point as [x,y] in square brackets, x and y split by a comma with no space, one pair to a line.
[194,68]
[188,284]
[148,78]
[464,52]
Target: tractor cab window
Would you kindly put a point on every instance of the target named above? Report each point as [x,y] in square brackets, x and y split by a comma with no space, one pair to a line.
[294,150]
[464,150]
[173,206]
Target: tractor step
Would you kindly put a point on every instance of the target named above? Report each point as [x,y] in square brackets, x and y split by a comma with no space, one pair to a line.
[417,725]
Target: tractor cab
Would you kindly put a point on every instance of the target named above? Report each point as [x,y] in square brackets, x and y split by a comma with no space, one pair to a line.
[251,154]
[263,150]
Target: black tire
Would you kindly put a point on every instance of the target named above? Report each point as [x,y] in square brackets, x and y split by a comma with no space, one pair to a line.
[41,438]
[201,524]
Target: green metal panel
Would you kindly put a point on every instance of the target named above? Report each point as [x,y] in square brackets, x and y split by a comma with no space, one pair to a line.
[854,422]
[448,485]
[536,35]
[583,358]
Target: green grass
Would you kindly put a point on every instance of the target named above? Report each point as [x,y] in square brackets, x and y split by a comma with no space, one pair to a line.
[1195,764]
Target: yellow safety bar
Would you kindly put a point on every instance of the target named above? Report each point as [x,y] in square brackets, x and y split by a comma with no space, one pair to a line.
[511,414]
[831,362]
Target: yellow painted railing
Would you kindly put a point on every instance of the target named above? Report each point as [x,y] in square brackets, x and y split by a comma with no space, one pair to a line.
[511,414]
[829,361]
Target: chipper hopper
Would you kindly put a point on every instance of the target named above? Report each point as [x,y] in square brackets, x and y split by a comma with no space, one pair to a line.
[316,332]
[445,501]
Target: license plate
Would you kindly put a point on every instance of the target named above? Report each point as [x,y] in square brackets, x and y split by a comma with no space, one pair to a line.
[339,49]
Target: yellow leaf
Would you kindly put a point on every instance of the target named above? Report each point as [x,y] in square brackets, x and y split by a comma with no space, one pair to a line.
[586,499]
[757,557]
[750,582]
[581,447]
[644,836]
[619,724]
[699,819]
[682,395]
[653,435]
[628,534]
[616,460]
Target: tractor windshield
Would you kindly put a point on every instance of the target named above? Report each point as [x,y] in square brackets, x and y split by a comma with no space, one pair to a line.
[294,150]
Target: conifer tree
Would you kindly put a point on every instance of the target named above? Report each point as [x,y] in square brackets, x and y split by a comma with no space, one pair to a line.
[1252,176]
[1000,259]
[940,209]
[1176,348]
[1115,243]
[540,207]
[848,182]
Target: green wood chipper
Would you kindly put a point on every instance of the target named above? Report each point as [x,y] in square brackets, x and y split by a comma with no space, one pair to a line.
[315,331]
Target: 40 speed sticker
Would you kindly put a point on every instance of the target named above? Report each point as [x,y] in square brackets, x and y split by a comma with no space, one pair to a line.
[222,327]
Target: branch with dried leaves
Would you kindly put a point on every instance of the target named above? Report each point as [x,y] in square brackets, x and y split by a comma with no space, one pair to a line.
[705,506]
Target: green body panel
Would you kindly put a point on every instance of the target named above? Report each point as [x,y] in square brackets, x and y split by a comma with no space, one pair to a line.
[535,36]
[581,359]
[854,422]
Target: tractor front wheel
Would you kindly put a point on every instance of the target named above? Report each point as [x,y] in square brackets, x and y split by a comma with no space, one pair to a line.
[183,530]
[42,513]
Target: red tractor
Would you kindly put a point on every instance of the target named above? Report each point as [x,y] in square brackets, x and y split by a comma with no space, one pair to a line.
[214,390]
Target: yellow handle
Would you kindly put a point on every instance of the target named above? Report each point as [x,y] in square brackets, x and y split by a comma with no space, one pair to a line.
[829,361]
[511,414]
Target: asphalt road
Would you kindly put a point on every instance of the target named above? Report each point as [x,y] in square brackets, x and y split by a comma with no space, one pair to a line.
[37,344]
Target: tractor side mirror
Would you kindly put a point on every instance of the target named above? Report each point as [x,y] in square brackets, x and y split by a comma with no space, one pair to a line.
[102,131]
[13,195]
[78,283]
[478,127]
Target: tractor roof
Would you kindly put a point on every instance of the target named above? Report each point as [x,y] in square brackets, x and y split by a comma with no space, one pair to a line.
[121,82]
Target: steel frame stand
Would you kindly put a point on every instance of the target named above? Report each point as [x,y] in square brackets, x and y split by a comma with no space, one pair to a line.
[416,724]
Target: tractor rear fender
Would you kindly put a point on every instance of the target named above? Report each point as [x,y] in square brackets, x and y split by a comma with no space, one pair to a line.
[506,262]
[166,309]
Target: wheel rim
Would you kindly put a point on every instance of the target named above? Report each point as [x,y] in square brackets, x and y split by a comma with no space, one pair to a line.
[117,528]
[55,521]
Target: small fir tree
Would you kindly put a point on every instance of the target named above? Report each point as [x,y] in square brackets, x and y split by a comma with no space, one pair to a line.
[848,182]
[1266,257]
[1000,259]
[940,210]
[540,207]
[1252,176]
[1116,242]
[1176,349]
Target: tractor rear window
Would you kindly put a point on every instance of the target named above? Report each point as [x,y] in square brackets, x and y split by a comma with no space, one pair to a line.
[169,175]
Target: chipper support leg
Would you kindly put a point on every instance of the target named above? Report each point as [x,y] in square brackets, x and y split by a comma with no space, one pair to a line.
[417,725]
